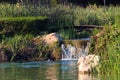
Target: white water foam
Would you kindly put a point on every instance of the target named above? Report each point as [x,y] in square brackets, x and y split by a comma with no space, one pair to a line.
[70,52]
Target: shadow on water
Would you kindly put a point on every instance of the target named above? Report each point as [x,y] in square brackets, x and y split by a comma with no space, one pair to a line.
[45,70]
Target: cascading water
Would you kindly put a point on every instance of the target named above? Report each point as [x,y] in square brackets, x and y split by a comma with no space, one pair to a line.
[70,52]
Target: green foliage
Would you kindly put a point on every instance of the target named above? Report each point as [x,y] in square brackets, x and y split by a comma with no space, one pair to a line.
[56,17]
[22,24]
[84,34]
[43,50]
[95,31]
[108,47]
[53,2]
[62,15]
[67,34]
[16,44]
[20,18]
[22,48]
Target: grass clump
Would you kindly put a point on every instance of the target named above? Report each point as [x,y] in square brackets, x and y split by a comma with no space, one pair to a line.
[16,44]
[108,47]
[67,34]
[21,48]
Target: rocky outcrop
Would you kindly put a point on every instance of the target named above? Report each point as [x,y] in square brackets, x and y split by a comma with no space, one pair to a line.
[88,63]
[49,39]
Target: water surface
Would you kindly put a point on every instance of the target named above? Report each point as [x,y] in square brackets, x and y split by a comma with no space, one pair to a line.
[45,70]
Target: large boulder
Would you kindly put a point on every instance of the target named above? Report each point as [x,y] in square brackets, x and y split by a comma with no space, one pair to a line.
[88,63]
[48,39]
[49,43]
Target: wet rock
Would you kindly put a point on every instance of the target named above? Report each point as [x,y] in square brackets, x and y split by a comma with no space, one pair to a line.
[88,63]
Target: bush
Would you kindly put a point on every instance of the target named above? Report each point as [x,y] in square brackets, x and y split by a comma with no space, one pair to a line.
[22,25]
[108,47]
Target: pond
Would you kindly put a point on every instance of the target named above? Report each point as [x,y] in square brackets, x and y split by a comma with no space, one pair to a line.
[46,70]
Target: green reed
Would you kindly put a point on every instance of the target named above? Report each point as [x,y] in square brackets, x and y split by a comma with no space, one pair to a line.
[108,47]
[63,15]
[67,34]
[16,44]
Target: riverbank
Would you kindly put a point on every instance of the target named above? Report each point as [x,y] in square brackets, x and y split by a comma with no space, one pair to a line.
[20,23]
[26,48]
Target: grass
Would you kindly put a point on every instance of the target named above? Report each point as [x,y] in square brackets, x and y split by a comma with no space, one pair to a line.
[108,47]
[55,17]
[63,15]
[67,34]
[21,48]
[16,44]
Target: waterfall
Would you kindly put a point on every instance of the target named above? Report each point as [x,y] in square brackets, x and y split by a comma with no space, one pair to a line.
[71,52]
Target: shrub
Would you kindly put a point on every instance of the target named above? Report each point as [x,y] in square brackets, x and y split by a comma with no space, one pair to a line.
[22,25]
[108,47]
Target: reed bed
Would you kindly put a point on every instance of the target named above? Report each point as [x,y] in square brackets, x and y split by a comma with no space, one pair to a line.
[63,15]
[108,47]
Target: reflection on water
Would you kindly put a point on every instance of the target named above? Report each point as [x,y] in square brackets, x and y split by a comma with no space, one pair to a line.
[52,72]
[59,70]
[88,77]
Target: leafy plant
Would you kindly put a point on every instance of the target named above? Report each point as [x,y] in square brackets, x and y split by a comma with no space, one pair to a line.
[67,34]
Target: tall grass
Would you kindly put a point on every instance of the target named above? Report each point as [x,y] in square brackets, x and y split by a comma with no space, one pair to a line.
[22,48]
[63,15]
[67,34]
[16,44]
[108,47]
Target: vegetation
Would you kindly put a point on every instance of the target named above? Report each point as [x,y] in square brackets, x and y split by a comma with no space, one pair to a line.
[19,18]
[108,48]
[64,15]
[29,17]
[67,34]
[21,48]
[22,25]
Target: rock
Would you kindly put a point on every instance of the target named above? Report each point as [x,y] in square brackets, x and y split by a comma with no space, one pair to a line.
[52,38]
[48,39]
[88,63]
[48,43]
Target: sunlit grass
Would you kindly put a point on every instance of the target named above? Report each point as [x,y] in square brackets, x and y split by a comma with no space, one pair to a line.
[63,15]
[108,47]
